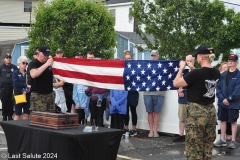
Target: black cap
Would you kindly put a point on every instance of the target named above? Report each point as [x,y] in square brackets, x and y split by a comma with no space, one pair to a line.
[45,50]
[59,50]
[8,55]
[203,49]
[78,54]
[233,57]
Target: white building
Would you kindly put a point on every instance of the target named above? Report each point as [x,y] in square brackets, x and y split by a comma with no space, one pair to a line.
[15,17]
[125,26]
[120,10]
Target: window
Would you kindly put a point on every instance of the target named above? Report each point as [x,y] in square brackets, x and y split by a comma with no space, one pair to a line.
[112,11]
[130,18]
[27,6]
[24,50]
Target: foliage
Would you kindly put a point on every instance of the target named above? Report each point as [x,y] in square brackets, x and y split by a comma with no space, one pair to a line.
[178,26]
[73,25]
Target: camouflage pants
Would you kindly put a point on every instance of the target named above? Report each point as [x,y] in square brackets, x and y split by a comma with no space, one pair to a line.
[41,102]
[200,131]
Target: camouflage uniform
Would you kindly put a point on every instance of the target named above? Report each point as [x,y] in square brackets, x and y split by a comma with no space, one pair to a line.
[200,131]
[41,102]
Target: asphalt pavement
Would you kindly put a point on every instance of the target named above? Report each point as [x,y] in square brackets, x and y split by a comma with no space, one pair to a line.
[143,148]
[162,148]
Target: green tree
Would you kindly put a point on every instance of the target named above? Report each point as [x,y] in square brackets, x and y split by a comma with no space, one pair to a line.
[178,26]
[73,25]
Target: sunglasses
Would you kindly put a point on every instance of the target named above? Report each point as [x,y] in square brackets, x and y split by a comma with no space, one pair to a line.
[59,52]
[24,63]
[8,57]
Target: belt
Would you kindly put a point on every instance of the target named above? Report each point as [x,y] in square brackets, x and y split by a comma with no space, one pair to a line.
[7,85]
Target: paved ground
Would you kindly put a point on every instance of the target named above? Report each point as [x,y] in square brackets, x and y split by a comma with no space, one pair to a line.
[162,148]
[3,144]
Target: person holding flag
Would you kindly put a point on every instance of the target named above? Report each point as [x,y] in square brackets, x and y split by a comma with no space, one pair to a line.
[153,102]
[42,95]
[132,103]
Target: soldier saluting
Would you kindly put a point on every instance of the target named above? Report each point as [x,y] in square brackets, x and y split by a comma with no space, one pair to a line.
[6,87]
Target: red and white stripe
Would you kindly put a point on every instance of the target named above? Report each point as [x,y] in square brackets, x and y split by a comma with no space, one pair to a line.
[97,73]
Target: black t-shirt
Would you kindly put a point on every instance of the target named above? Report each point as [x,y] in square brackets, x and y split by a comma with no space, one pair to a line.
[44,83]
[201,85]
[229,76]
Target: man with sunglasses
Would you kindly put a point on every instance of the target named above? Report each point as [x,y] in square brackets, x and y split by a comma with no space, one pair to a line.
[6,87]
[42,95]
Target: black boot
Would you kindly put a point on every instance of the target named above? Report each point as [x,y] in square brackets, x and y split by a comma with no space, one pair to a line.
[4,118]
[10,118]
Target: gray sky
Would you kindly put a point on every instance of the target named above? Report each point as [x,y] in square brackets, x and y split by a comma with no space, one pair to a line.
[236,8]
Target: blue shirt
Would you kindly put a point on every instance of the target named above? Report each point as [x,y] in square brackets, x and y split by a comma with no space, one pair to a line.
[79,96]
[118,101]
[183,100]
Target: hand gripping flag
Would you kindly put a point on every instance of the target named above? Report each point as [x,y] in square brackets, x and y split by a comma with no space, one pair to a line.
[131,75]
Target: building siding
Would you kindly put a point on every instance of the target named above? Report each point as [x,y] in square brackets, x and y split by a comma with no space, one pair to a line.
[131,49]
[147,55]
[122,45]
[17,51]
[12,11]
[139,55]
[12,33]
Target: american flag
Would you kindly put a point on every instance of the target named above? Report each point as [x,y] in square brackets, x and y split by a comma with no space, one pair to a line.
[134,75]
[150,75]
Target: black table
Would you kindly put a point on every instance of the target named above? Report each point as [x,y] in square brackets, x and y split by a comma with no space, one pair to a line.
[67,144]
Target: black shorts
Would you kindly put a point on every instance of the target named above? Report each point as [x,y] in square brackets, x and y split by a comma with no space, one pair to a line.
[22,106]
[229,115]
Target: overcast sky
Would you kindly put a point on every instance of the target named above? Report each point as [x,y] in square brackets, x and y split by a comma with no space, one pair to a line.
[235,7]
